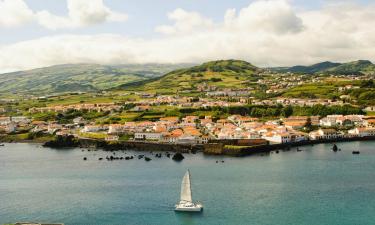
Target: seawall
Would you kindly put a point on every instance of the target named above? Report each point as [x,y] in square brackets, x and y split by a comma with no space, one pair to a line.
[238,150]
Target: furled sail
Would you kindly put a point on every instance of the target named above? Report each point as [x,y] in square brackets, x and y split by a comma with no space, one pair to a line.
[185,188]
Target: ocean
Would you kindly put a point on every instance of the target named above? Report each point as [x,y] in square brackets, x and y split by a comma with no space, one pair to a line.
[314,186]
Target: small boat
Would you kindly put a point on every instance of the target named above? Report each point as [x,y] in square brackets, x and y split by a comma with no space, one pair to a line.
[356,152]
[2,145]
[186,203]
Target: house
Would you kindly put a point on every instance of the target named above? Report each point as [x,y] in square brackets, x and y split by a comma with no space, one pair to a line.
[11,127]
[169,119]
[362,132]
[172,136]
[79,121]
[4,120]
[187,139]
[295,124]
[53,127]
[325,134]
[190,120]
[93,128]
[112,138]
[329,121]
[148,136]
[20,119]
[286,137]
[141,108]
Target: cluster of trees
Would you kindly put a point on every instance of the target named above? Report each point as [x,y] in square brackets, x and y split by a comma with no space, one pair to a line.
[278,111]
[67,117]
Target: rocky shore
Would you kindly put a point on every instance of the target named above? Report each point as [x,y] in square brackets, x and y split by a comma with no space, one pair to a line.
[236,148]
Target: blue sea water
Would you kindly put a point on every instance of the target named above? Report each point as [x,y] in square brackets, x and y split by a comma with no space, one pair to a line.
[315,186]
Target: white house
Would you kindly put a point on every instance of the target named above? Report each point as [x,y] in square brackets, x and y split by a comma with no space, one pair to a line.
[323,134]
[285,137]
[93,128]
[362,132]
[112,138]
[148,136]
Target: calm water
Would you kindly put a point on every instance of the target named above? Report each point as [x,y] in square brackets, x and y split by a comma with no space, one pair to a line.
[315,186]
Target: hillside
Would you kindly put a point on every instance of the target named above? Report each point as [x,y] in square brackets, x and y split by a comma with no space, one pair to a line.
[351,68]
[356,68]
[311,69]
[78,77]
[222,73]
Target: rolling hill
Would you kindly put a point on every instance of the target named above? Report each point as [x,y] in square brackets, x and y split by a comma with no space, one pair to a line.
[222,73]
[79,77]
[351,68]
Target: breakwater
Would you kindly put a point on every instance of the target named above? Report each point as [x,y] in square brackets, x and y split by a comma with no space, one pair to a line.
[238,150]
[70,142]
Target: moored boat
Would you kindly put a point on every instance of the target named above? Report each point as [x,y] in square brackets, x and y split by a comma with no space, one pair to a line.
[186,203]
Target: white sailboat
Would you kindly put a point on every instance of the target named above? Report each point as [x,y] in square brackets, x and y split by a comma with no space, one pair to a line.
[186,203]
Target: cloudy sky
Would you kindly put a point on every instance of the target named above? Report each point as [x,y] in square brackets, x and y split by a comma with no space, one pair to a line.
[38,33]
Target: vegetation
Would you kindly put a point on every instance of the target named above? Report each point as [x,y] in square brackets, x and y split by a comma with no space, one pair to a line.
[352,68]
[223,73]
[78,78]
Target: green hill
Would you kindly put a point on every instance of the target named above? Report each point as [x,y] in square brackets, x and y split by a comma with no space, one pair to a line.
[78,77]
[351,68]
[222,74]
[311,69]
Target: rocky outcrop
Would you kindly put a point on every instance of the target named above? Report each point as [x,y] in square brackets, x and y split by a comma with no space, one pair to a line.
[62,142]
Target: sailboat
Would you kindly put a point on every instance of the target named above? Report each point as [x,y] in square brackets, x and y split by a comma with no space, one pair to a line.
[186,203]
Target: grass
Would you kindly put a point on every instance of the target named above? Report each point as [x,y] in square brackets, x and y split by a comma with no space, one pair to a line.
[93,135]
[225,73]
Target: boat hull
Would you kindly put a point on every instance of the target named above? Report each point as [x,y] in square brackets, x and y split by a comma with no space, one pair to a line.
[189,208]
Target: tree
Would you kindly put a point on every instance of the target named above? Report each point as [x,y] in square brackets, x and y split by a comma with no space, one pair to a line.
[287,111]
[308,124]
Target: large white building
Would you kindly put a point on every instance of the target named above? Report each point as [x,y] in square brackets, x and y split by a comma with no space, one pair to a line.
[362,132]
[148,136]
[325,134]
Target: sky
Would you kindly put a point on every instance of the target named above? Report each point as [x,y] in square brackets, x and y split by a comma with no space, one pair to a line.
[39,33]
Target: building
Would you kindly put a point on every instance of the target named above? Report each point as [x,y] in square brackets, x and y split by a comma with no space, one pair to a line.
[325,134]
[112,138]
[93,128]
[362,132]
[148,136]
[287,137]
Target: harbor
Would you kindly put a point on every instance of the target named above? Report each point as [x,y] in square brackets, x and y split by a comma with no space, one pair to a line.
[56,185]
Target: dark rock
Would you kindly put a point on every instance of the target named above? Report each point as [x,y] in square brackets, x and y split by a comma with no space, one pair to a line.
[62,142]
[178,157]
[147,159]
[84,158]
[100,159]
[277,152]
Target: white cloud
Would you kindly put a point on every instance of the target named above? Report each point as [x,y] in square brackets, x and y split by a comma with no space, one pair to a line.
[185,22]
[14,13]
[266,33]
[269,16]
[81,13]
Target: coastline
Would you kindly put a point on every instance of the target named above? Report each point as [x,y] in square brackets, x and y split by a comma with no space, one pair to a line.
[235,148]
